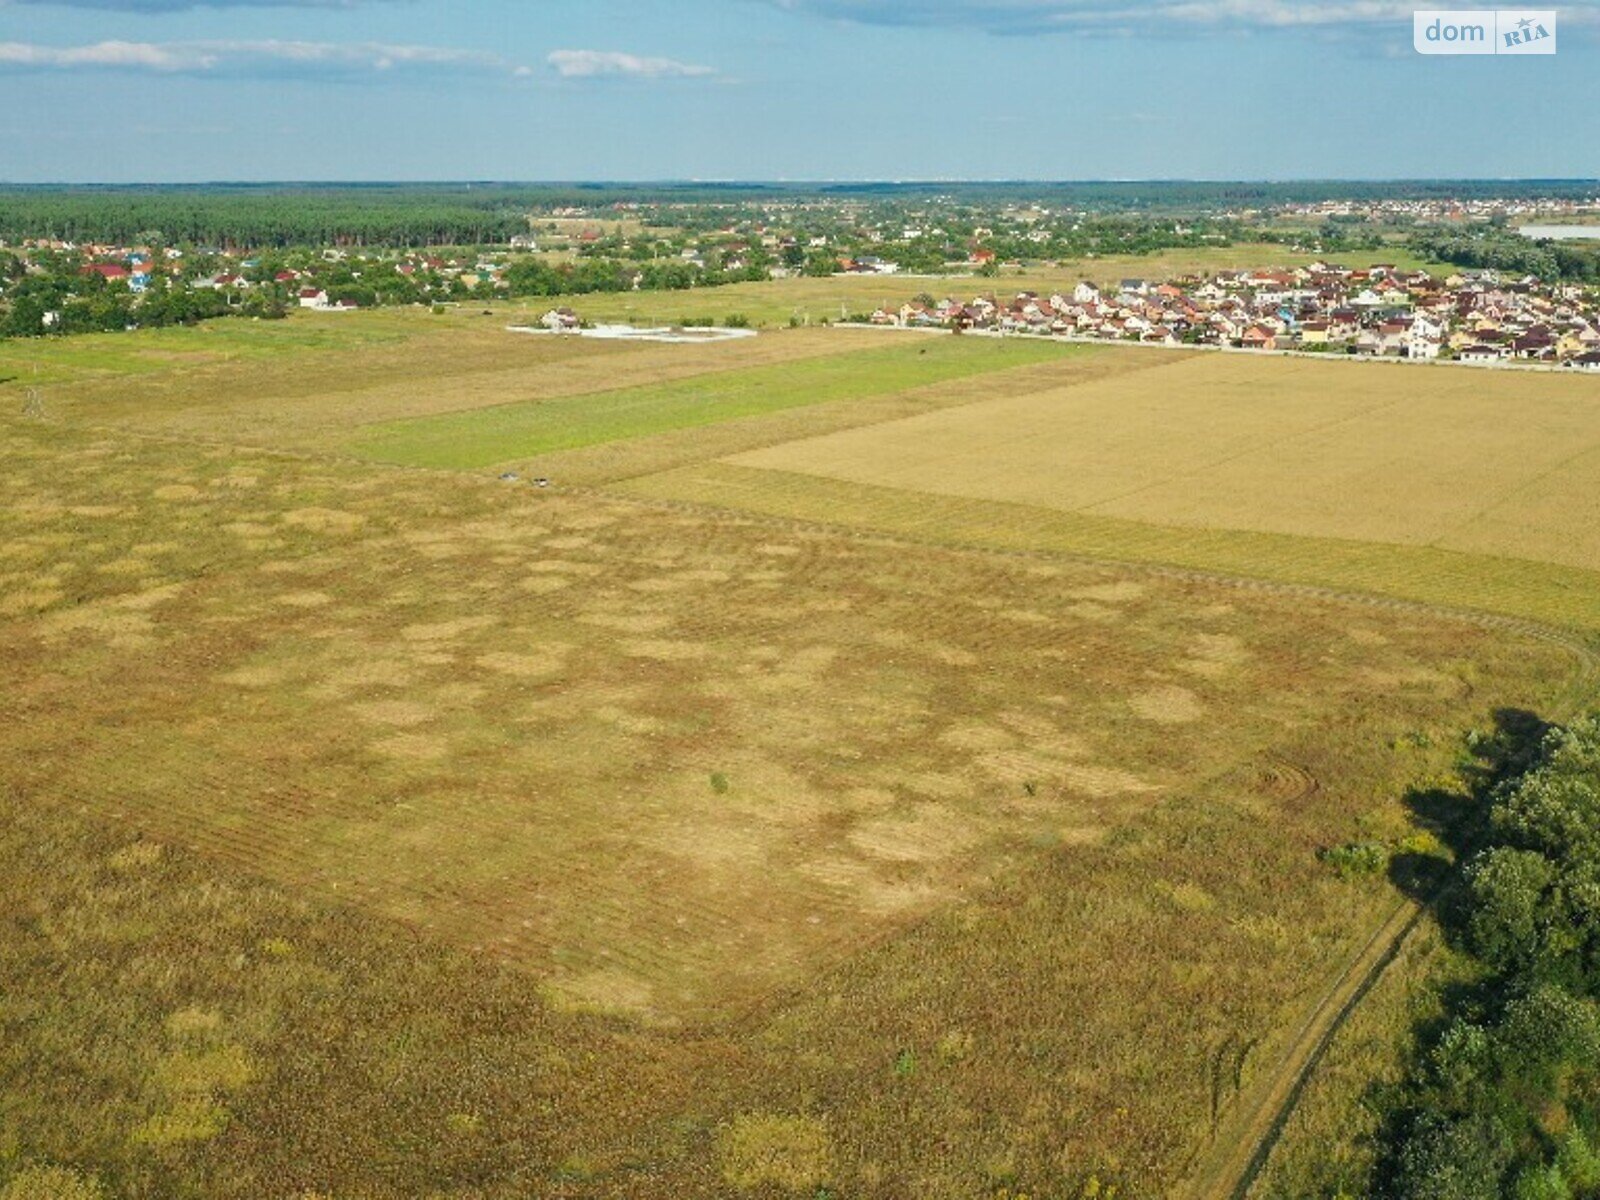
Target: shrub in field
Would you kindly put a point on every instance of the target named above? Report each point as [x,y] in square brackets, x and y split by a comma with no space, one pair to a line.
[1357,858]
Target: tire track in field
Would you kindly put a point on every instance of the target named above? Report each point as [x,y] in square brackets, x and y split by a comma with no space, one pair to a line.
[1228,1167]
[1580,645]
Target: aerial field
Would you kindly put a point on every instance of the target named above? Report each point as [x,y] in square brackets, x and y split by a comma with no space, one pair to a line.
[705,824]
[481,438]
[1505,464]
[1438,484]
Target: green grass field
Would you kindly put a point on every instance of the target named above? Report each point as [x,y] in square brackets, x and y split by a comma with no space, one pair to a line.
[45,361]
[721,820]
[512,432]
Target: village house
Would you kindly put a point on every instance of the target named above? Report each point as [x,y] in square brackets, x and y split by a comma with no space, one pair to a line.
[1380,312]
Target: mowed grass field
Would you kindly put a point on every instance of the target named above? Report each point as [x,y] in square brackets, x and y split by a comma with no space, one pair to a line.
[378,829]
[480,438]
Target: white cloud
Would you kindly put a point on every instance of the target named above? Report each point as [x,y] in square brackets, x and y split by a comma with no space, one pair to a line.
[591,64]
[145,56]
[1131,17]
[337,59]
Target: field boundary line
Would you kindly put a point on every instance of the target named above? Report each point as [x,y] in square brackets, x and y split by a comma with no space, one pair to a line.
[918,393]
[1580,643]
[1258,1127]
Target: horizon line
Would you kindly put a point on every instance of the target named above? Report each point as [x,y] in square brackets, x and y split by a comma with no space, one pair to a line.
[928,181]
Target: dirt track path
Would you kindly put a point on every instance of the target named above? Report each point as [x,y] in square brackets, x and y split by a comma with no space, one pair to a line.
[1227,1168]
[1230,1165]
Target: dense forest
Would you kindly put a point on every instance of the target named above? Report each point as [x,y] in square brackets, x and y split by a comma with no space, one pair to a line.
[245,218]
[232,216]
[1504,1098]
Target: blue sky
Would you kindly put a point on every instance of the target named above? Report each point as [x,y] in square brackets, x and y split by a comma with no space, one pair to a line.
[170,90]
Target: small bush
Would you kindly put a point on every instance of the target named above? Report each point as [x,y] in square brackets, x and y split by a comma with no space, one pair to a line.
[737,321]
[1355,859]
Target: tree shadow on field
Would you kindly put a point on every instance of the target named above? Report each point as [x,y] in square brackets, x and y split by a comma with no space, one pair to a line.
[1458,817]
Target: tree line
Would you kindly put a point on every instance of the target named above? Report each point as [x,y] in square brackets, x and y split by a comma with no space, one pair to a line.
[59,297]
[55,305]
[1511,253]
[232,220]
[1504,1098]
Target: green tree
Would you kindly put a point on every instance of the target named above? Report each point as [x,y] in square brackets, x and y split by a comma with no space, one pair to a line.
[1447,1158]
[821,263]
[1507,890]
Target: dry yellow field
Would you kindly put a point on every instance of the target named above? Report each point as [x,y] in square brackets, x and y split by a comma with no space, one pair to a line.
[1492,463]
[670,762]
[694,826]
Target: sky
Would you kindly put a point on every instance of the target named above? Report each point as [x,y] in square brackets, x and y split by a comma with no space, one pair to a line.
[178,91]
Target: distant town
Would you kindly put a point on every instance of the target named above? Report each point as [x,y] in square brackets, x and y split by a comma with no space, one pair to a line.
[1472,316]
[1472,276]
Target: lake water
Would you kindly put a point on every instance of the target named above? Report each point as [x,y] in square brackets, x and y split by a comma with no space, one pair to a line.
[1562,233]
